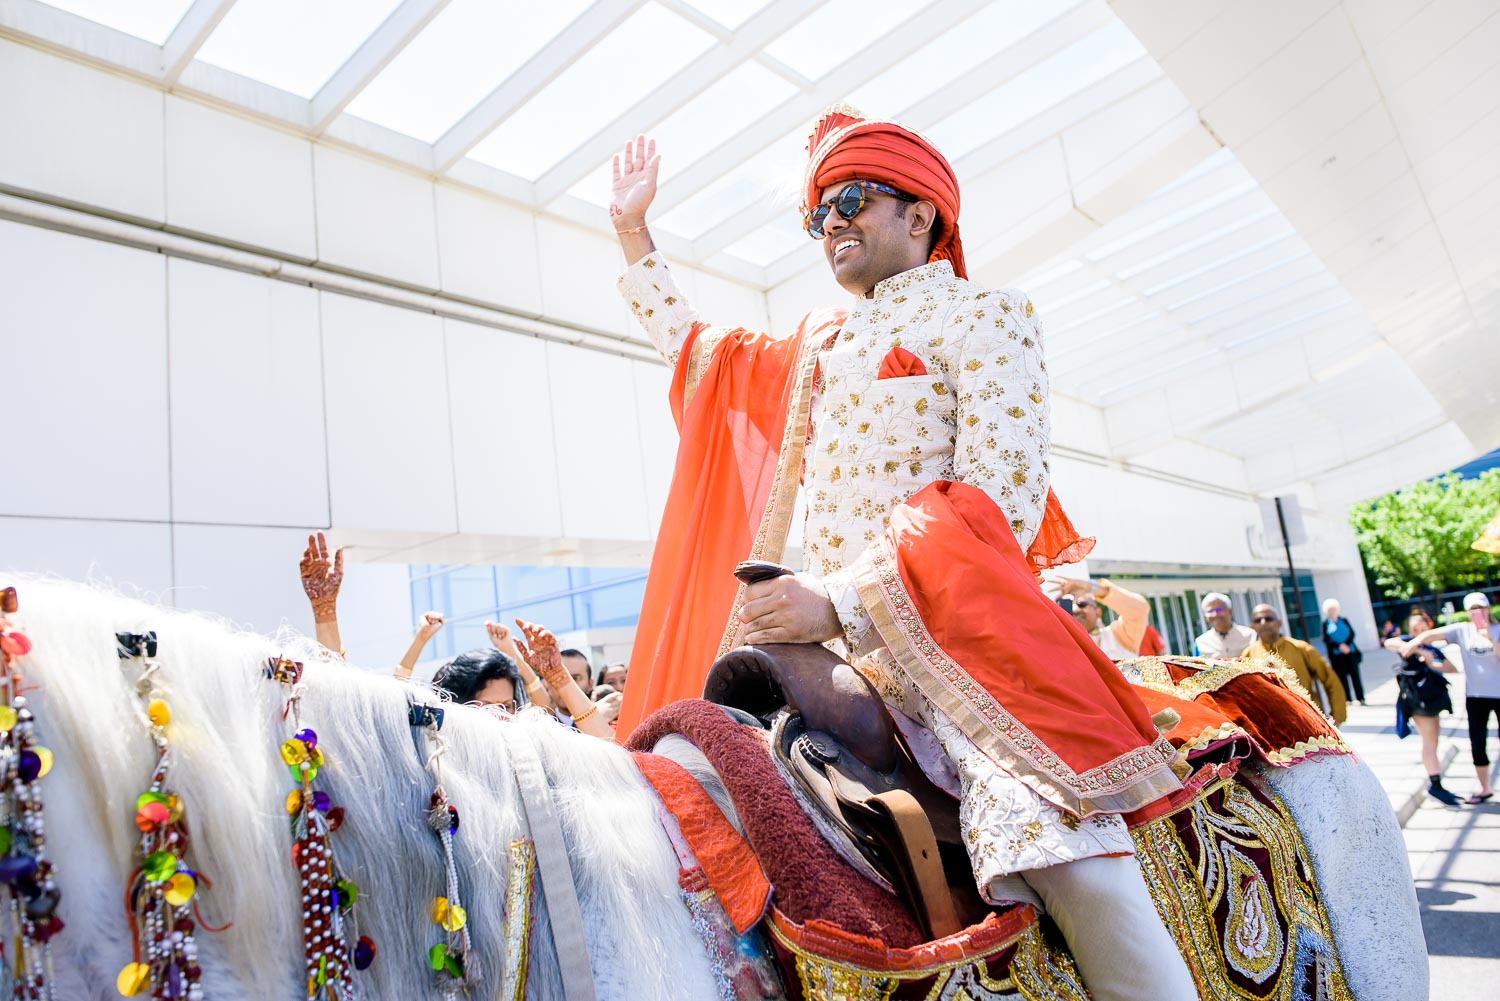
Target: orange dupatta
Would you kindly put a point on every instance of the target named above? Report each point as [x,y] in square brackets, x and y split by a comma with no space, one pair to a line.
[737,469]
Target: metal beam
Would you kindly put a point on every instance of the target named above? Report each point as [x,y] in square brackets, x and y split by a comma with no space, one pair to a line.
[541,69]
[873,59]
[188,37]
[702,73]
[1000,68]
[376,52]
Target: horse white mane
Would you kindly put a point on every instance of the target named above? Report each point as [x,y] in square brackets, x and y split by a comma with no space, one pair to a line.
[227,726]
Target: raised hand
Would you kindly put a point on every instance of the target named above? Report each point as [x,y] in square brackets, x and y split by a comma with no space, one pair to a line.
[500,637]
[430,624]
[542,654]
[634,187]
[321,576]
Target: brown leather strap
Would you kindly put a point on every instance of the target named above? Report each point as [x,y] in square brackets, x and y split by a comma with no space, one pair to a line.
[911,846]
[921,850]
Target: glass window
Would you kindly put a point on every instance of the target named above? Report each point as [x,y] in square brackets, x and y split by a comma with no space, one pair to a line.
[292,44]
[152,20]
[464,53]
[836,31]
[646,50]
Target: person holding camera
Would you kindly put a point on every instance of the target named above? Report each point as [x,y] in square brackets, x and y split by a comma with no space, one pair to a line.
[1424,693]
[1477,637]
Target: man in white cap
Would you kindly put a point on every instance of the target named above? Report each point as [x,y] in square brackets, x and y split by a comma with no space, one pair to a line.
[1477,638]
[1224,639]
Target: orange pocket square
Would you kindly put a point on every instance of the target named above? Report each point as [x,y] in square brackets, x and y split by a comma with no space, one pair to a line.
[900,363]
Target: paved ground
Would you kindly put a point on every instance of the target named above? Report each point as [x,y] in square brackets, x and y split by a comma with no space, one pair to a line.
[1454,851]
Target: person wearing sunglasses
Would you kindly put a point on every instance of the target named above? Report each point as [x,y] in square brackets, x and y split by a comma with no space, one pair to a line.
[1312,670]
[1223,640]
[916,418]
[1124,637]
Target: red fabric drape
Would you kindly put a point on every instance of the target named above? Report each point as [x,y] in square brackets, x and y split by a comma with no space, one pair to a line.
[730,438]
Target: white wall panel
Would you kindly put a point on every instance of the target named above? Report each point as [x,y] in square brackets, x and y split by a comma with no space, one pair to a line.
[248,575]
[505,464]
[83,338]
[390,457]
[732,305]
[375,219]
[578,271]
[62,122]
[488,250]
[135,556]
[247,399]
[235,180]
[658,436]
[598,445]
[375,614]
[788,302]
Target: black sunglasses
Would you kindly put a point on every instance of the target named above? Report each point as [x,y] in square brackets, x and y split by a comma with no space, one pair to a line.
[850,201]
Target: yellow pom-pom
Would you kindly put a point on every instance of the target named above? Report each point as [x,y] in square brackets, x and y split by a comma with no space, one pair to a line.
[158,712]
[449,917]
[180,889]
[133,979]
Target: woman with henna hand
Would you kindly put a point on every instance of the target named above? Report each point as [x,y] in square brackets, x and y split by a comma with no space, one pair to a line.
[502,640]
[321,577]
[543,656]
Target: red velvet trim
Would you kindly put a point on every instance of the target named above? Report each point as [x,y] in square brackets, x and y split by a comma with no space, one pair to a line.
[809,879]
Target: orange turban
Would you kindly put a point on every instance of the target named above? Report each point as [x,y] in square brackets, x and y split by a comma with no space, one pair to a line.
[846,147]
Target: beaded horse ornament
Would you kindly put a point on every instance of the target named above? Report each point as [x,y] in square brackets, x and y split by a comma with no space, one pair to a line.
[31,893]
[327,895]
[161,894]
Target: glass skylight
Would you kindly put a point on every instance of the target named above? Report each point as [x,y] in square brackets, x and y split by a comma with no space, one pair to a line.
[771,242]
[292,44]
[693,131]
[952,54]
[152,20]
[464,53]
[645,51]
[1044,86]
[772,177]
[836,31]
[730,13]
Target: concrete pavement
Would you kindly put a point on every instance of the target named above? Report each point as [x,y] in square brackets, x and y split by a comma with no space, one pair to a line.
[1454,851]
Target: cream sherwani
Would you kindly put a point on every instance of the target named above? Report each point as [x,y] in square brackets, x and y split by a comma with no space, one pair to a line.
[979,415]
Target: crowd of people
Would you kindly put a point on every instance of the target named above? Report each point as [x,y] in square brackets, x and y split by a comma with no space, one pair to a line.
[510,675]
[531,671]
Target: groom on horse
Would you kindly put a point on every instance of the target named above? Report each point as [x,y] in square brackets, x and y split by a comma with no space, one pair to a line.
[916,422]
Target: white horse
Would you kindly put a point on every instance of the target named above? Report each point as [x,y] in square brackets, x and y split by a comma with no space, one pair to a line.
[227,721]
[226,726]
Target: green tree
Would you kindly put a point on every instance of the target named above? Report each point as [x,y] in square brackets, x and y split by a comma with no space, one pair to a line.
[1420,540]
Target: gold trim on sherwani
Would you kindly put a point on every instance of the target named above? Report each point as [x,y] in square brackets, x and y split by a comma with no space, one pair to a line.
[1119,785]
[776,521]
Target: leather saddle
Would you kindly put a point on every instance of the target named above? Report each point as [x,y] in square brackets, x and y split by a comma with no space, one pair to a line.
[835,737]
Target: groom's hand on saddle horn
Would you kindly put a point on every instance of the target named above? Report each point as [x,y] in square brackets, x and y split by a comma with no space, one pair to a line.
[793,609]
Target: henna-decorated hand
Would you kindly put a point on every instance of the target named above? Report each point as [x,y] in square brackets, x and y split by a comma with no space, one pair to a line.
[634,186]
[321,577]
[542,654]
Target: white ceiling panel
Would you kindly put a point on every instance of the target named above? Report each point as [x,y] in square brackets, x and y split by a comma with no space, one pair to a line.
[1342,234]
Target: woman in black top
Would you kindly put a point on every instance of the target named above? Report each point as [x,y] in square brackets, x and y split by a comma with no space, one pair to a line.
[1424,694]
